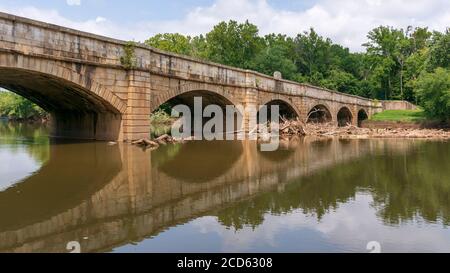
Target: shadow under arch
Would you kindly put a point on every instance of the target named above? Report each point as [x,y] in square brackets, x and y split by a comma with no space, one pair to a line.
[287,110]
[344,117]
[208,97]
[319,114]
[80,107]
[74,172]
[198,161]
[362,116]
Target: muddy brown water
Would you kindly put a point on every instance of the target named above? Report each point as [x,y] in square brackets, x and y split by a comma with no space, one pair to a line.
[309,196]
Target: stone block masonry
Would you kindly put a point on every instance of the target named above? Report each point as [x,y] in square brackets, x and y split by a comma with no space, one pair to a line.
[79,78]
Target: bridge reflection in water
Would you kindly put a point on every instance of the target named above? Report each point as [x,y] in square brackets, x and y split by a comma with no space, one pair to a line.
[109,196]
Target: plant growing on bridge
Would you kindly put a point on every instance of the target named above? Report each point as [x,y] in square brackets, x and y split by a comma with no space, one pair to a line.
[129,60]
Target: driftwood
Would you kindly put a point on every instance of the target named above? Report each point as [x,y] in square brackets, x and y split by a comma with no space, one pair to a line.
[145,142]
[289,129]
[292,128]
[164,139]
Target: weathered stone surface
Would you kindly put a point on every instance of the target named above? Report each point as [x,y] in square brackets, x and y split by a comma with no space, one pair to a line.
[79,78]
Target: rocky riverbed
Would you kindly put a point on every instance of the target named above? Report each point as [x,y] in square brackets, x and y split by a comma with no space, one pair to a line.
[298,128]
[329,130]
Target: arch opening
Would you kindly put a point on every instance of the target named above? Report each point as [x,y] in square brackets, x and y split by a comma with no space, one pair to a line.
[362,116]
[76,112]
[344,117]
[208,98]
[319,114]
[287,111]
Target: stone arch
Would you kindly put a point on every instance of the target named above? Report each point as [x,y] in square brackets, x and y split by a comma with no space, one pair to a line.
[344,117]
[210,94]
[25,68]
[362,115]
[192,89]
[80,107]
[319,113]
[285,106]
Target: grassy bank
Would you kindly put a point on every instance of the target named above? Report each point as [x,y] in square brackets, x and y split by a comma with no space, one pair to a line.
[400,115]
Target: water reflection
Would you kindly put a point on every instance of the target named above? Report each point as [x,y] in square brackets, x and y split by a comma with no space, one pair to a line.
[310,195]
[24,143]
[197,161]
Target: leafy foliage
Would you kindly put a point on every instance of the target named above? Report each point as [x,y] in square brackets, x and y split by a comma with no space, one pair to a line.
[433,91]
[17,107]
[129,60]
[389,69]
[173,42]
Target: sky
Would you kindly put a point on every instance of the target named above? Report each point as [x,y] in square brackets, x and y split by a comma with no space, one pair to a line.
[346,22]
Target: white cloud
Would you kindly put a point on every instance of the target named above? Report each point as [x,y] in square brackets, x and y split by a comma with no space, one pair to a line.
[98,25]
[100,19]
[348,228]
[345,21]
[73,2]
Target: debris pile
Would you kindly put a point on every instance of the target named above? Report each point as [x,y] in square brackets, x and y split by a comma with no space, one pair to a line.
[290,128]
[162,140]
[298,128]
[293,128]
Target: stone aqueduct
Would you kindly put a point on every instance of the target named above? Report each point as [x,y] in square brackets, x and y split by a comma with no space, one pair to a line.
[80,79]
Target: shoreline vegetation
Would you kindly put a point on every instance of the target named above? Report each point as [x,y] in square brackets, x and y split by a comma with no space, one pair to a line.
[15,108]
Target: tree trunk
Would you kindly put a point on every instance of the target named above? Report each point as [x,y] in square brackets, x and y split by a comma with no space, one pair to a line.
[388,93]
[401,82]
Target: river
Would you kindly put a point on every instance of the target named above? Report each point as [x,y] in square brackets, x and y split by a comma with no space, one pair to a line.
[310,196]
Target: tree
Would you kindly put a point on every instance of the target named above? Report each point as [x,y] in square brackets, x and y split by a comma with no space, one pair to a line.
[389,69]
[173,42]
[17,107]
[439,50]
[420,38]
[234,44]
[433,91]
[414,65]
[341,81]
[313,53]
[276,56]
[199,47]
[391,46]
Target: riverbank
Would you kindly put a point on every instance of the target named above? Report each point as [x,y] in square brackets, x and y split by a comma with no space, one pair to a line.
[290,129]
[30,120]
[357,132]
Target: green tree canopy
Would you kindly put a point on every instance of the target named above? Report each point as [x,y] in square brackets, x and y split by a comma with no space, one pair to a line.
[173,42]
[388,69]
[433,91]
